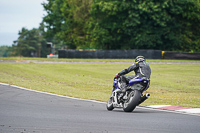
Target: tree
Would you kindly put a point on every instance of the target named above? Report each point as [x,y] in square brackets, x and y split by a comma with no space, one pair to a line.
[149,24]
[30,43]
[189,19]
[4,51]
[124,24]
[67,21]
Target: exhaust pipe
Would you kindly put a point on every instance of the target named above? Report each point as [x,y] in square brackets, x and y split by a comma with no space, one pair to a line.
[146,96]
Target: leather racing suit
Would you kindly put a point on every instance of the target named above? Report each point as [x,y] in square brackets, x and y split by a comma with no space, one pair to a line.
[141,69]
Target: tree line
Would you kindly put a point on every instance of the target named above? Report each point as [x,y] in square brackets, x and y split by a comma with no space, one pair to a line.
[169,25]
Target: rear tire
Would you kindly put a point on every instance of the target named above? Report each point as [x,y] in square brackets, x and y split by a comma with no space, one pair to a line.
[130,105]
[109,104]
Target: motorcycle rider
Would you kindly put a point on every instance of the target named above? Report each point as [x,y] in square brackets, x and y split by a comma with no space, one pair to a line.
[141,69]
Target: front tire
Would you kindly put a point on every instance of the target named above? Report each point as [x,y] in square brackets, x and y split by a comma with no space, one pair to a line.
[134,98]
[109,104]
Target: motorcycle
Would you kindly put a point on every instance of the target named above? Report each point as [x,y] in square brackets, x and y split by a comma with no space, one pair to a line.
[131,98]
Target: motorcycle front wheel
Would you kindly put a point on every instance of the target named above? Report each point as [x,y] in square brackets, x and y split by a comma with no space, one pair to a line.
[132,102]
[109,104]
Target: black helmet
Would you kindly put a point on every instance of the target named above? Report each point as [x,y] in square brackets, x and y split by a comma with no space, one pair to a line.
[139,58]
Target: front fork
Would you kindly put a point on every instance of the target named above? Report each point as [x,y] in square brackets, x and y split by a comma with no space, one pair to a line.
[115,100]
[115,85]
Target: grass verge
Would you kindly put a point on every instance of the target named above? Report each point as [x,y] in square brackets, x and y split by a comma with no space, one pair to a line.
[21,59]
[172,84]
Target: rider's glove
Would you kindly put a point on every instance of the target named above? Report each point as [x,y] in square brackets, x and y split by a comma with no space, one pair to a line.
[117,76]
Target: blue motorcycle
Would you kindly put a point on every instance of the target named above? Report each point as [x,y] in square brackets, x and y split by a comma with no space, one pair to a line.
[131,98]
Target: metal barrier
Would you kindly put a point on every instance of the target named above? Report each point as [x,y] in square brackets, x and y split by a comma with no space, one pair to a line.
[181,56]
[110,54]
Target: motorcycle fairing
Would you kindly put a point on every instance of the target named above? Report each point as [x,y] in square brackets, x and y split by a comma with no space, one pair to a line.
[136,80]
[131,82]
[139,80]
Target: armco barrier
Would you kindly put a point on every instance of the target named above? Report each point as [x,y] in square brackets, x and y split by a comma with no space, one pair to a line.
[181,56]
[110,54]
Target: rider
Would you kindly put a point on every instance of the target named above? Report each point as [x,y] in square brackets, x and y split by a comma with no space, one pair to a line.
[141,69]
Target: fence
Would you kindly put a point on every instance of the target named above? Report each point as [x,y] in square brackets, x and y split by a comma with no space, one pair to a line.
[182,56]
[110,54]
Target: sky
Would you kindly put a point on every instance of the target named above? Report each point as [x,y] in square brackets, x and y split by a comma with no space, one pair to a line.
[15,14]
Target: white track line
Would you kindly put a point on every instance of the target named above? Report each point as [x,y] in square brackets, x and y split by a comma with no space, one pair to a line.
[158,106]
[193,110]
[152,107]
[22,88]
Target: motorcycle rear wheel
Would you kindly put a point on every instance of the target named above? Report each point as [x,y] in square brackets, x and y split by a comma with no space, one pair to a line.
[109,104]
[133,101]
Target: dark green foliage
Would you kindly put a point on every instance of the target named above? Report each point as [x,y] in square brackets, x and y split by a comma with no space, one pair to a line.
[149,24]
[30,43]
[4,51]
[170,25]
[67,21]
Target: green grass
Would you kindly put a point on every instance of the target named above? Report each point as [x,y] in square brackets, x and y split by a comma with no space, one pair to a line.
[172,84]
[21,59]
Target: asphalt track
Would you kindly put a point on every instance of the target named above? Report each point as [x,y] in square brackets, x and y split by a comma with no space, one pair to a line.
[23,111]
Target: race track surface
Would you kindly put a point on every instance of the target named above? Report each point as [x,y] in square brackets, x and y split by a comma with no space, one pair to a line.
[23,111]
